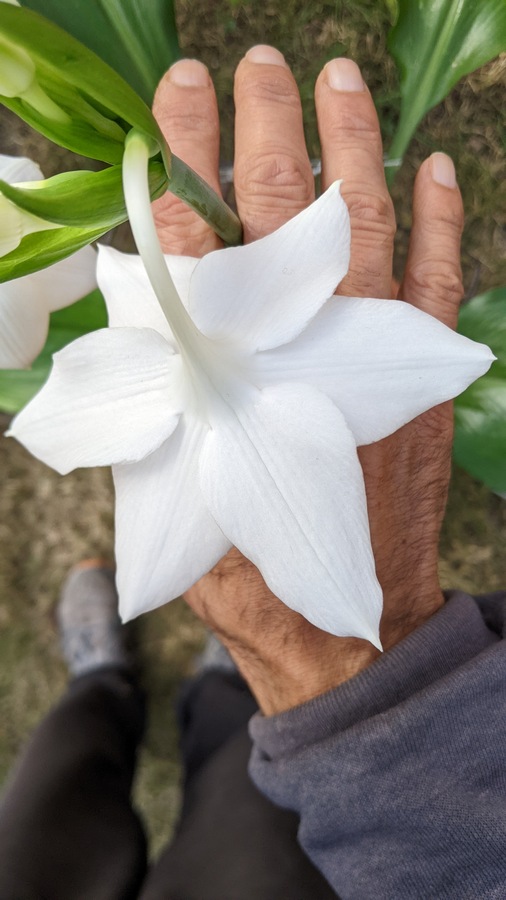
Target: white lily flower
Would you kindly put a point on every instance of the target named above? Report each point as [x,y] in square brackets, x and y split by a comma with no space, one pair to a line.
[232,408]
[26,302]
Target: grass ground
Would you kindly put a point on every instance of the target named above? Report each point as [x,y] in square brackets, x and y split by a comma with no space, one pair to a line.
[47,523]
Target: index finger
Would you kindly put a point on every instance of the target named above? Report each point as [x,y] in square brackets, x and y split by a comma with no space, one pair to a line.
[187,112]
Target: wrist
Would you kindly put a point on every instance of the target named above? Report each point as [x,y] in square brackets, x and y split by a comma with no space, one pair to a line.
[291,668]
[310,663]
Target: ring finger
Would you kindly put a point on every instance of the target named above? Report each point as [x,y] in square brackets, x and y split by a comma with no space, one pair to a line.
[352,150]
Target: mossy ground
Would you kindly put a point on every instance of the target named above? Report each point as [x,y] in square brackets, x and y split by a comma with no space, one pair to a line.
[47,523]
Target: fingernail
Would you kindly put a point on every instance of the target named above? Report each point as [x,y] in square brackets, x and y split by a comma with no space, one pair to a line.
[262,53]
[344,75]
[443,170]
[189,73]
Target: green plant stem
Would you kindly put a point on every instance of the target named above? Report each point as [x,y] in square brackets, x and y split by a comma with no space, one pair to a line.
[193,190]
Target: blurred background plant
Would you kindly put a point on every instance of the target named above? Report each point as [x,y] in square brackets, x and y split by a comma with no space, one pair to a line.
[46,522]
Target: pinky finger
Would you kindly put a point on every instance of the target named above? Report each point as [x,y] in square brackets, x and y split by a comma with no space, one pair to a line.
[432,279]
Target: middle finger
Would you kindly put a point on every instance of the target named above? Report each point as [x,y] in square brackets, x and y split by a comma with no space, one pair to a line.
[273,176]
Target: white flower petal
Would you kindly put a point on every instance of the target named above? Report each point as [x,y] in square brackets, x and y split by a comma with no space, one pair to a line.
[282,479]
[165,537]
[66,281]
[19,169]
[113,396]
[127,290]
[382,362]
[262,295]
[23,325]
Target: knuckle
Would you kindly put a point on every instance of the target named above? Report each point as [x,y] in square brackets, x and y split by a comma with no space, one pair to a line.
[449,220]
[433,278]
[265,89]
[183,232]
[181,119]
[270,189]
[348,127]
[371,212]
[270,175]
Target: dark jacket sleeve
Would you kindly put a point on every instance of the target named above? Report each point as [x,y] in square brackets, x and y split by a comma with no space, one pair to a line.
[399,775]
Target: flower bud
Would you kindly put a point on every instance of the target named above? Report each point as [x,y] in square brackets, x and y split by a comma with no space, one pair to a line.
[17,70]
[18,79]
[15,223]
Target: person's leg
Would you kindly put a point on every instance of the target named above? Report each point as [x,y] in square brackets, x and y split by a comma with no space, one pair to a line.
[231,842]
[67,828]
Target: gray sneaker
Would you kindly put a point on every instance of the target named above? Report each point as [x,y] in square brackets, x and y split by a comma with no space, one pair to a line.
[91,633]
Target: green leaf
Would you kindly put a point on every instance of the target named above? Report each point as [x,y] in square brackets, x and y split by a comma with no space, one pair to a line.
[435,43]
[77,100]
[42,249]
[138,38]
[82,199]
[480,412]
[17,386]
[87,203]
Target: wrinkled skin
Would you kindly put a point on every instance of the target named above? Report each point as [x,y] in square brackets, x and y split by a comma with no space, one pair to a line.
[285,659]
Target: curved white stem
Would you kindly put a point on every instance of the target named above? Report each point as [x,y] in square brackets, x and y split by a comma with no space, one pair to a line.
[138,203]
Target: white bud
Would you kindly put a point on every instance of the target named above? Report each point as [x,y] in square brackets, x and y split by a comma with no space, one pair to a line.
[17,70]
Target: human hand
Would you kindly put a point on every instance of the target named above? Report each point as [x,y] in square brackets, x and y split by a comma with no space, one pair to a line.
[285,659]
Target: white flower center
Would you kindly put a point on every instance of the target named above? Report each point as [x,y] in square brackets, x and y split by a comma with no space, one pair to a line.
[213,368]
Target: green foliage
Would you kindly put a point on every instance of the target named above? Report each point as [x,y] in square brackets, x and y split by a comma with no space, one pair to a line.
[435,43]
[17,387]
[76,99]
[480,412]
[87,204]
[42,249]
[82,199]
[138,38]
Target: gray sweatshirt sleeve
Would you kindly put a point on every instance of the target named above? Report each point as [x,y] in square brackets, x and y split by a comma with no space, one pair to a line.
[399,775]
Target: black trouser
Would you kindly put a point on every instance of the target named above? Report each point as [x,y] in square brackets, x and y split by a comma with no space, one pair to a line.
[68,830]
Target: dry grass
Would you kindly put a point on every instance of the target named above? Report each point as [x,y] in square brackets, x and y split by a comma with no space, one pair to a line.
[47,523]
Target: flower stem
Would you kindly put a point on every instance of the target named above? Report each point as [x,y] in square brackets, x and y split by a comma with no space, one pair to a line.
[193,190]
[138,203]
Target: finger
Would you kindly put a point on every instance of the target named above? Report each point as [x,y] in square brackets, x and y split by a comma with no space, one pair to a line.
[273,177]
[187,112]
[433,278]
[352,150]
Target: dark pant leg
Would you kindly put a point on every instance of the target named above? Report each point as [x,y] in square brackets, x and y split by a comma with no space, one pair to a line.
[231,843]
[67,829]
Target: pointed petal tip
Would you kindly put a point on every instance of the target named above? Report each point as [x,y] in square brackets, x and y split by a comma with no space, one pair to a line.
[374,639]
[367,632]
[335,187]
[125,615]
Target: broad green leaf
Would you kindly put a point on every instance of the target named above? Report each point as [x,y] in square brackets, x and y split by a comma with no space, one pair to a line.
[82,199]
[17,387]
[480,412]
[42,249]
[87,203]
[138,38]
[77,100]
[435,43]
